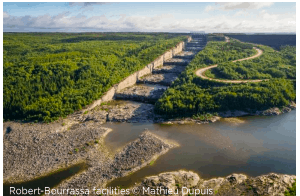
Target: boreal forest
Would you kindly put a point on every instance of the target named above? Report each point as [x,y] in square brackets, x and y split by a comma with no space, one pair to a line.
[191,95]
[272,64]
[50,75]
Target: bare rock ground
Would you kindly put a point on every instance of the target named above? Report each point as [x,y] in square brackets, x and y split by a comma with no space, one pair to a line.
[177,61]
[132,157]
[30,152]
[234,184]
[169,69]
[185,55]
[142,93]
[269,112]
[132,112]
[120,111]
[162,79]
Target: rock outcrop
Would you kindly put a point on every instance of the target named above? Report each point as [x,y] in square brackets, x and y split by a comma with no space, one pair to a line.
[234,184]
[269,112]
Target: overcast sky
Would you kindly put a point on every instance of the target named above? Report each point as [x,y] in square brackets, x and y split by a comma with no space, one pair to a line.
[149,17]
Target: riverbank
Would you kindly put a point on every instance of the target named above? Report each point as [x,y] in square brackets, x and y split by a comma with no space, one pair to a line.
[57,149]
[30,153]
[136,112]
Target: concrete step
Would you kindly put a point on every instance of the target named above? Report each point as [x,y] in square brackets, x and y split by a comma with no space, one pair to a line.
[193,48]
[196,45]
[168,69]
[195,42]
[177,61]
[142,93]
[185,55]
[199,38]
[162,79]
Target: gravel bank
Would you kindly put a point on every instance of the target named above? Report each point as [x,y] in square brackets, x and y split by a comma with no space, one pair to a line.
[31,151]
[131,158]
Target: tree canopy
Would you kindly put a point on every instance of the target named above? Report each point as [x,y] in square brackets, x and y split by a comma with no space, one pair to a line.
[50,75]
[191,95]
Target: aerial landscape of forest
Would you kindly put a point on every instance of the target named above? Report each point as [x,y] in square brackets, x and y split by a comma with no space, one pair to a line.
[153,98]
[191,95]
[47,76]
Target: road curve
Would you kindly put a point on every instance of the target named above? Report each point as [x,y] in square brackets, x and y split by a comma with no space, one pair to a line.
[200,72]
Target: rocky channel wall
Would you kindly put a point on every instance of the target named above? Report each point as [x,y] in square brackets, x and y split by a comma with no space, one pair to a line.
[133,78]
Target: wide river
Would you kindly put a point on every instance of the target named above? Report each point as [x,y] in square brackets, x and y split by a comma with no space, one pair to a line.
[251,145]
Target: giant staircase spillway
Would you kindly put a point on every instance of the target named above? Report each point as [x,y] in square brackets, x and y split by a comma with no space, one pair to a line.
[151,87]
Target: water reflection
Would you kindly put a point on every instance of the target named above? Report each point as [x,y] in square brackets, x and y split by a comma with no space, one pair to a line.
[257,146]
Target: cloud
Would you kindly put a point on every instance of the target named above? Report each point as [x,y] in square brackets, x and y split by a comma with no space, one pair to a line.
[5,15]
[262,22]
[241,13]
[265,15]
[244,5]
[238,5]
[86,3]
[209,8]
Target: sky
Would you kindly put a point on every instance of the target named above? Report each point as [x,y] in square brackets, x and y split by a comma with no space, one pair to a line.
[238,17]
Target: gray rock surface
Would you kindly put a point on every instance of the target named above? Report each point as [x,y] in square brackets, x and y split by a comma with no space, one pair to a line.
[169,69]
[269,112]
[31,152]
[185,55]
[162,79]
[177,61]
[125,111]
[140,152]
[132,157]
[143,93]
[235,184]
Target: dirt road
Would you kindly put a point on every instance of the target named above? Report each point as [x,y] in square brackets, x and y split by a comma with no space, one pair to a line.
[201,72]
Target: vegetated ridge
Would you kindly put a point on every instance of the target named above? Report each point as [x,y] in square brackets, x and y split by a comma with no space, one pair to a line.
[191,95]
[269,65]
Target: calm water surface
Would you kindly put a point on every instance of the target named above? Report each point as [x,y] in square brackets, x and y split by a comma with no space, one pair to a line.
[255,146]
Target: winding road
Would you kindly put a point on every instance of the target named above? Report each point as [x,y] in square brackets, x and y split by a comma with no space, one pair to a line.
[200,72]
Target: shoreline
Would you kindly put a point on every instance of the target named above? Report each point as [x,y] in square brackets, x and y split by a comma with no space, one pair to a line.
[107,113]
[98,157]
[274,111]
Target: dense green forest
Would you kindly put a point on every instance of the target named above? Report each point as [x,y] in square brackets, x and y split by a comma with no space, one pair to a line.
[191,95]
[271,64]
[50,75]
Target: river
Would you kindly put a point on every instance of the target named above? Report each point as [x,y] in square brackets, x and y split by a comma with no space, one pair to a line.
[252,145]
